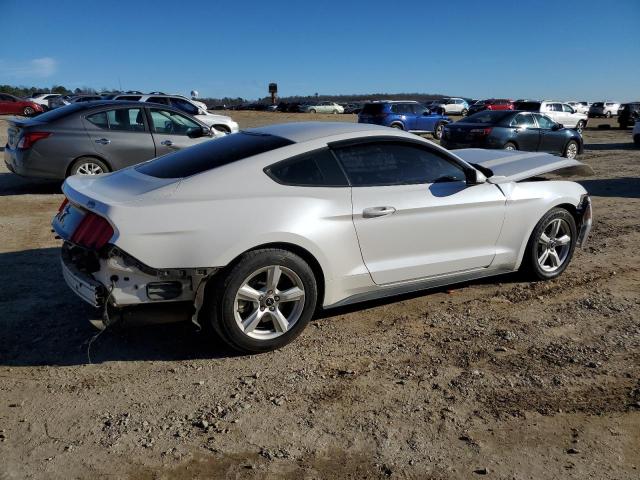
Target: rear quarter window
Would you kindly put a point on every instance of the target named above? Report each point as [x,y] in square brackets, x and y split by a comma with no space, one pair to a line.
[211,154]
[315,169]
[373,108]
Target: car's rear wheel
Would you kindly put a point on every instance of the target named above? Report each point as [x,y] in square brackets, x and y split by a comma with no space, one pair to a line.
[264,301]
[397,125]
[571,150]
[551,245]
[28,111]
[608,115]
[335,112]
[510,146]
[88,166]
[437,133]
[312,111]
[580,126]
[464,112]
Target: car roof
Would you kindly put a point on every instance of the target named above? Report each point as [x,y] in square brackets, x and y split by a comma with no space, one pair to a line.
[299,132]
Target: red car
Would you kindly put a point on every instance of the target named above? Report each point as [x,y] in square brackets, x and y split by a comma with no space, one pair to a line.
[17,106]
[491,104]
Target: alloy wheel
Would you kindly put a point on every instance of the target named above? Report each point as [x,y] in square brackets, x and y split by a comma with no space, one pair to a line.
[572,150]
[554,245]
[89,168]
[269,302]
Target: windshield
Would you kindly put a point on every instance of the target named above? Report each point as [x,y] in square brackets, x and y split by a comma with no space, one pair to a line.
[528,106]
[58,113]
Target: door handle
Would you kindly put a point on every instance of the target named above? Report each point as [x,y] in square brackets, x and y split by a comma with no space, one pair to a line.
[167,143]
[373,212]
[103,141]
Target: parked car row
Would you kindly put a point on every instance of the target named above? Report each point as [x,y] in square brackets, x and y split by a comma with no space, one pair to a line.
[97,137]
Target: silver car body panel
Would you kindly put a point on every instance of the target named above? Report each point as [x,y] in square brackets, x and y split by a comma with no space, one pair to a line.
[436,234]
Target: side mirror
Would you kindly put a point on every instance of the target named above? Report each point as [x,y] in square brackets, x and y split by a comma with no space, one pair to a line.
[475,177]
[200,132]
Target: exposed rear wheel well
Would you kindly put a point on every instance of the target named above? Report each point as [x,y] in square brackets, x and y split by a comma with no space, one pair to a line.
[301,252]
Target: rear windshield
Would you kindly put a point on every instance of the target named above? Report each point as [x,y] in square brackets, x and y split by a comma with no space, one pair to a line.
[212,154]
[491,117]
[58,113]
[527,106]
[373,108]
[597,104]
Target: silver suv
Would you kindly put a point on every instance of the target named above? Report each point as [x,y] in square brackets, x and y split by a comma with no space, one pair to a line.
[221,123]
[604,109]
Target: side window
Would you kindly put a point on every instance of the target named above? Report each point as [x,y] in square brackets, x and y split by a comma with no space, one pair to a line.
[417,108]
[161,100]
[567,108]
[523,120]
[99,120]
[315,169]
[378,164]
[126,120]
[172,123]
[545,122]
[185,106]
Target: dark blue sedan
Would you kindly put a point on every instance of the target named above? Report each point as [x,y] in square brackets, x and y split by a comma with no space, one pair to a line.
[406,115]
[515,130]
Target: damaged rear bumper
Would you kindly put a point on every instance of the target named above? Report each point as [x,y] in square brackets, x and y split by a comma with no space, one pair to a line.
[585,220]
[122,287]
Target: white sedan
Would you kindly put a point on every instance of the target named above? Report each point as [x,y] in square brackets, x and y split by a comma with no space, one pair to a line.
[251,233]
[322,107]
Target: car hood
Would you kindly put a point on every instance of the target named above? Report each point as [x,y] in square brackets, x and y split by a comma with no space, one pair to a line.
[513,166]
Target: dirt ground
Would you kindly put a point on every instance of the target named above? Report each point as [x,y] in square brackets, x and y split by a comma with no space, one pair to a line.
[499,378]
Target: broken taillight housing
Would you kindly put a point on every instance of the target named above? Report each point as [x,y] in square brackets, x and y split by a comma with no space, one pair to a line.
[93,232]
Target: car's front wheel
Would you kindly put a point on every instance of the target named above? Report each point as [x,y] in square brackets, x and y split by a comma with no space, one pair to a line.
[264,301]
[571,150]
[28,111]
[312,111]
[510,146]
[608,115]
[580,126]
[464,112]
[438,131]
[551,245]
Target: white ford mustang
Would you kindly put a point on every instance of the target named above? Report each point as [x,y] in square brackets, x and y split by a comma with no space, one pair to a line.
[250,233]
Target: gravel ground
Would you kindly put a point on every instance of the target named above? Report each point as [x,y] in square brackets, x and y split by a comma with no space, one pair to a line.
[498,378]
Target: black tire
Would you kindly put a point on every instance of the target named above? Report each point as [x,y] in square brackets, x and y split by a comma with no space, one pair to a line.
[608,115]
[399,126]
[572,146]
[220,311]
[464,112]
[81,165]
[438,130]
[28,111]
[510,146]
[636,140]
[623,126]
[531,266]
[312,111]
[580,126]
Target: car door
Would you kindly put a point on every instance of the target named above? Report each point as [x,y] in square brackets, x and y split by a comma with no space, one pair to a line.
[552,140]
[414,214]
[569,118]
[527,133]
[173,131]
[425,121]
[120,136]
